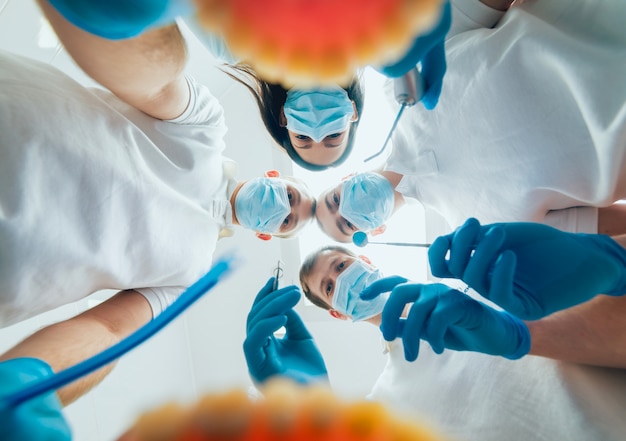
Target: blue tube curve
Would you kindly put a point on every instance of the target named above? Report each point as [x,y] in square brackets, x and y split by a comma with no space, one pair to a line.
[66,376]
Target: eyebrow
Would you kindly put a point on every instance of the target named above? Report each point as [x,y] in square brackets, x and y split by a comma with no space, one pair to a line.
[294,223]
[298,197]
[295,218]
[333,211]
[328,204]
[328,145]
[340,226]
[306,143]
[321,287]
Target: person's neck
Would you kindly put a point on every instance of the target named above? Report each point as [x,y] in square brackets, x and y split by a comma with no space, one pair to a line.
[393,177]
[376,320]
[232,202]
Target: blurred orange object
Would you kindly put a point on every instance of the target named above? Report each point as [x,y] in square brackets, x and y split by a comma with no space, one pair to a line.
[287,412]
[312,42]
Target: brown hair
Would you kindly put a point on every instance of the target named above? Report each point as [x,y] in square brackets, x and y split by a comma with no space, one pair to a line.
[270,98]
[307,267]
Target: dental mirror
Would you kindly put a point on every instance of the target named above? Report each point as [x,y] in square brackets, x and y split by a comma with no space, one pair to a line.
[360,240]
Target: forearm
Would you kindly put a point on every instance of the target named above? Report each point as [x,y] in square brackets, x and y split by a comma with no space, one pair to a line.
[620,239]
[146,71]
[591,333]
[44,345]
[66,343]
[612,219]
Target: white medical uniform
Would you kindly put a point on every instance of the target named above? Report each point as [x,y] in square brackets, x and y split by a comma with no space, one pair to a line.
[95,194]
[476,397]
[531,119]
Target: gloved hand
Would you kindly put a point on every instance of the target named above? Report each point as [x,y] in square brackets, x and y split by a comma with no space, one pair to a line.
[529,269]
[119,19]
[39,419]
[428,50]
[447,318]
[296,355]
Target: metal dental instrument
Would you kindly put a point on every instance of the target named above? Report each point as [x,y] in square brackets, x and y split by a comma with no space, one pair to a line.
[360,240]
[408,90]
[278,273]
[186,299]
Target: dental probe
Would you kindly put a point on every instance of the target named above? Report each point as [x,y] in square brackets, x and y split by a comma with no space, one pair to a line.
[360,240]
[278,273]
[408,90]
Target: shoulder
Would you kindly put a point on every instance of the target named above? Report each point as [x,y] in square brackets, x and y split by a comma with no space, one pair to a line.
[468,15]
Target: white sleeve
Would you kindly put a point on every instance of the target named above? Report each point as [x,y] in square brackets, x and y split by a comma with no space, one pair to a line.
[574,220]
[201,124]
[203,108]
[468,15]
[160,298]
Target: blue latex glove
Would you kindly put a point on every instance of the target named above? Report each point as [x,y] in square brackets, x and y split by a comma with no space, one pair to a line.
[119,19]
[529,269]
[447,318]
[38,419]
[429,50]
[296,355]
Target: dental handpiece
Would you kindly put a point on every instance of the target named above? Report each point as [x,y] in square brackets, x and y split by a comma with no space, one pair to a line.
[408,90]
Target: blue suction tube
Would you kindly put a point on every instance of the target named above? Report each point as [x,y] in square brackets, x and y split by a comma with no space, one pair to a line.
[66,376]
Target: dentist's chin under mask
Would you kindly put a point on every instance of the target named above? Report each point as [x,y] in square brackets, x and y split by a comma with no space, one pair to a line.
[366,200]
[318,113]
[349,285]
[262,204]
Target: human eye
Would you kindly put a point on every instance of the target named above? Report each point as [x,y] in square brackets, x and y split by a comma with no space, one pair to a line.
[329,288]
[334,135]
[335,198]
[341,266]
[287,221]
[302,137]
[290,196]
[349,225]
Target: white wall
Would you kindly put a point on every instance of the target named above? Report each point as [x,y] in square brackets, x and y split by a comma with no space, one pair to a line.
[201,351]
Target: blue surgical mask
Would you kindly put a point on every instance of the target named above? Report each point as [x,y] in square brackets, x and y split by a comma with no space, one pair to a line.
[366,200]
[348,287]
[318,113]
[262,204]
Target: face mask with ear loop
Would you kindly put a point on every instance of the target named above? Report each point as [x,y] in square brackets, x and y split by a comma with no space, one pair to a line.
[366,200]
[350,283]
[262,205]
[318,113]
